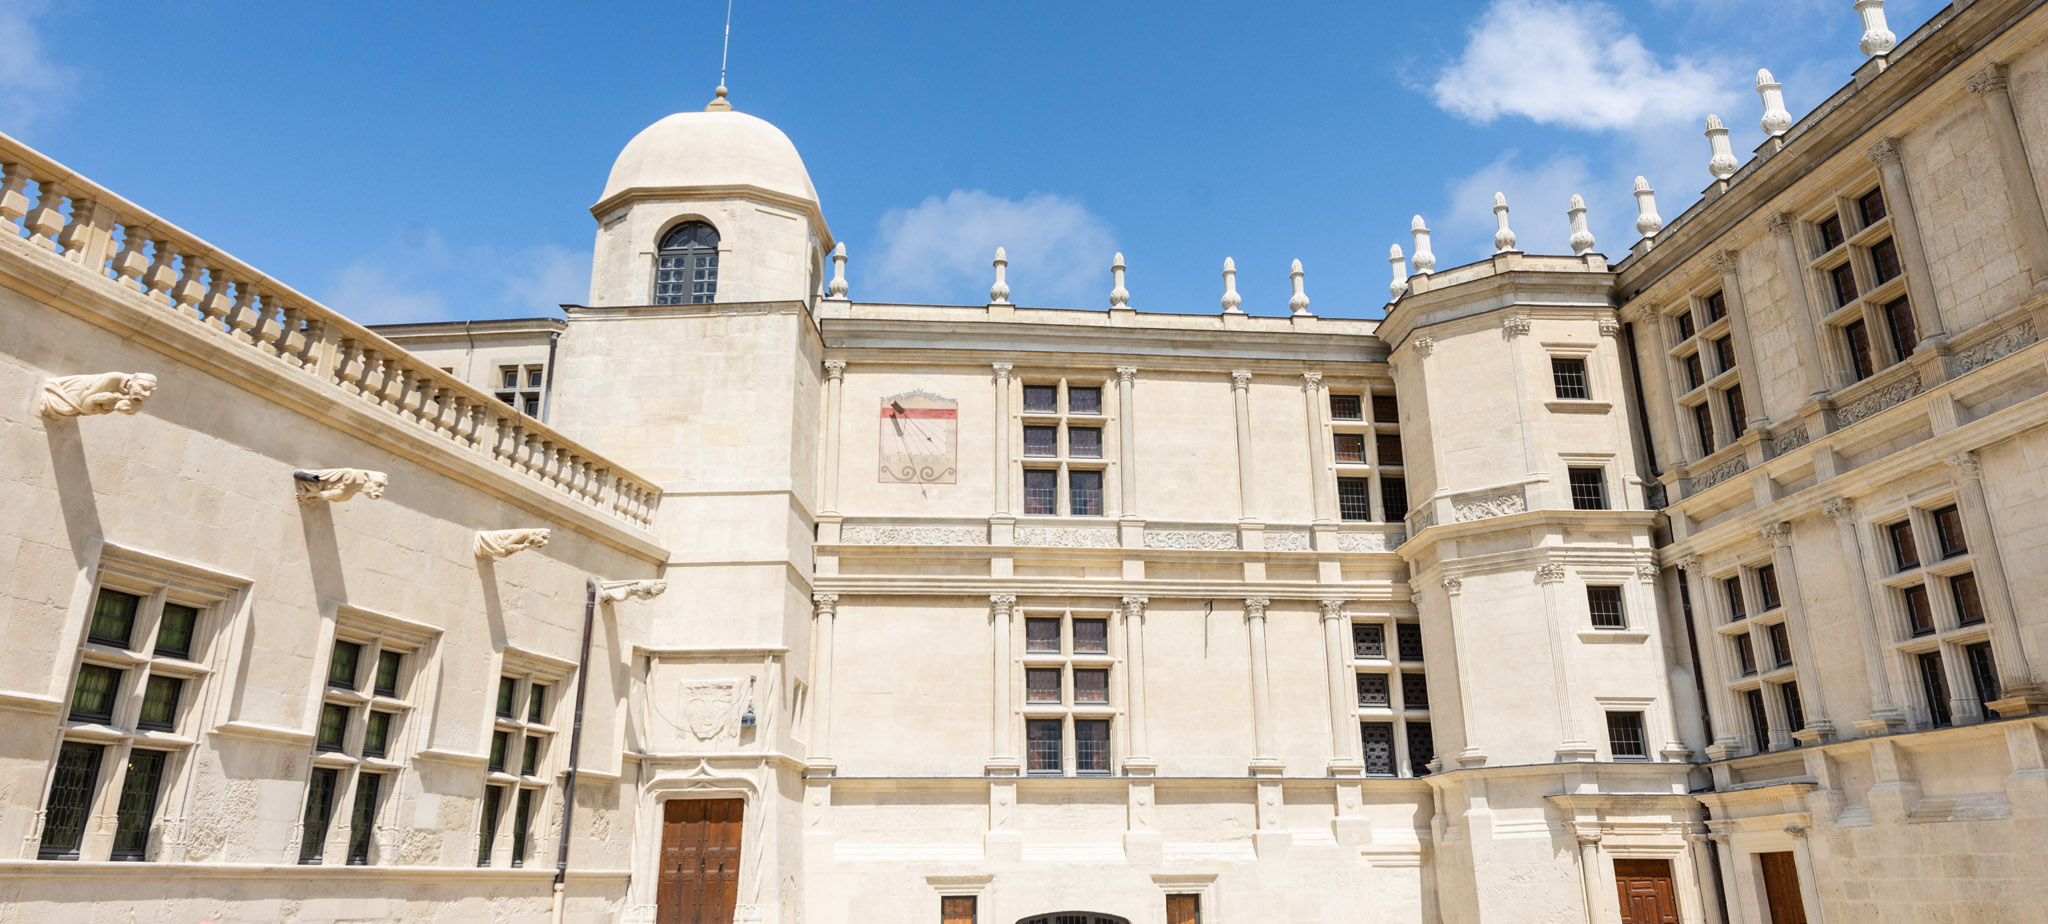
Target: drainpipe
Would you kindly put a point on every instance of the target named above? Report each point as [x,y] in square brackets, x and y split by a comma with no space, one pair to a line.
[575,745]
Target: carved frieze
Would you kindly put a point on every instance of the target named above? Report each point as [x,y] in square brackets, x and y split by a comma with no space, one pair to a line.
[1203,540]
[914,535]
[1465,510]
[2009,341]
[1788,439]
[98,393]
[1719,473]
[1059,537]
[1362,542]
[1286,540]
[1869,405]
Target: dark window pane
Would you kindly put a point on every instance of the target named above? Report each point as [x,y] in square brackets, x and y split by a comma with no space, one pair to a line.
[1373,691]
[1388,446]
[532,407]
[386,683]
[1724,354]
[1686,330]
[1414,692]
[1354,499]
[1084,400]
[529,759]
[1041,442]
[522,822]
[1872,207]
[1346,407]
[1860,360]
[1884,256]
[113,617]
[487,827]
[1378,738]
[319,813]
[1717,307]
[1919,611]
[1759,719]
[341,665]
[1041,492]
[92,698]
[1934,686]
[536,702]
[1350,447]
[960,909]
[508,695]
[1042,685]
[1408,639]
[1368,641]
[1695,374]
[1589,489]
[174,631]
[1084,442]
[1843,279]
[1386,409]
[1898,314]
[1969,605]
[1983,674]
[1421,748]
[1084,490]
[1394,497]
[1043,738]
[377,734]
[1745,654]
[363,821]
[1948,529]
[1605,604]
[1738,412]
[138,803]
[1041,399]
[1091,636]
[1904,552]
[333,727]
[686,268]
[160,703]
[500,742]
[1703,427]
[533,377]
[1091,745]
[1042,634]
[1569,377]
[1781,645]
[1795,711]
[1767,585]
[1831,235]
[509,377]
[1736,608]
[1625,735]
[72,785]
[1091,686]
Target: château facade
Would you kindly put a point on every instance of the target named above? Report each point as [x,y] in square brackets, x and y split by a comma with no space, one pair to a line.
[1702,585]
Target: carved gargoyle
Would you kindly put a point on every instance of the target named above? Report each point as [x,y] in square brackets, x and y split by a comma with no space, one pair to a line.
[499,543]
[618,591]
[334,485]
[96,393]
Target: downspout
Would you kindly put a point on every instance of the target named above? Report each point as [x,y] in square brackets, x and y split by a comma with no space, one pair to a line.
[547,392]
[575,741]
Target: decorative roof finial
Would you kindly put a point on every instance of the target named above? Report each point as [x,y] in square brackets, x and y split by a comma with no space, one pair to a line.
[1776,119]
[1723,164]
[837,288]
[999,294]
[1400,265]
[1425,261]
[1648,222]
[1504,239]
[1299,303]
[1119,297]
[718,101]
[1582,238]
[1877,37]
[1230,297]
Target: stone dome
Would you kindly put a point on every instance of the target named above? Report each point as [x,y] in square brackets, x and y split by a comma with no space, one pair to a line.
[716,147]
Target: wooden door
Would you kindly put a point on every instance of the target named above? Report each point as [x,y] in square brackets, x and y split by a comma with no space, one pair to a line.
[1781,888]
[700,861]
[957,909]
[1646,892]
[1183,909]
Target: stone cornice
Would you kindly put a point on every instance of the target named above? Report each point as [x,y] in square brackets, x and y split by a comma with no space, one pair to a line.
[808,208]
[970,339]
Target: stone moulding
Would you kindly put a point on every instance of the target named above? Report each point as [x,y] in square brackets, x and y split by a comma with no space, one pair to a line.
[914,535]
[1201,540]
[94,393]
[1079,537]
[1286,540]
[1487,506]
[1869,405]
[2009,341]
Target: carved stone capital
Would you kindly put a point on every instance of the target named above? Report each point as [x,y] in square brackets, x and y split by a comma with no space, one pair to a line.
[1124,374]
[835,369]
[1424,345]
[1134,607]
[1453,586]
[1779,224]
[1610,327]
[1841,510]
[95,393]
[1002,370]
[1514,325]
[1780,534]
[334,485]
[1647,573]
[621,591]
[825,604]
[1966,465]
[1332,609]
[1255,607]
[499,543]
[1240,380]
[1689,564]
[1723,261]
[1549,573]
[1311,381]
[1884,153]
[1989,80]
[1796,830]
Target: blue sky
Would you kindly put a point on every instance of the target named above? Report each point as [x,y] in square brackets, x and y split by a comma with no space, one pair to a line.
[424,161]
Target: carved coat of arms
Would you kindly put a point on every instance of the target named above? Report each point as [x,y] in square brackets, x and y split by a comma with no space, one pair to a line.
[711,708]
[919,439]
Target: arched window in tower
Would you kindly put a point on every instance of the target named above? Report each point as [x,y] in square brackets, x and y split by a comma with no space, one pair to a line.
[686,268]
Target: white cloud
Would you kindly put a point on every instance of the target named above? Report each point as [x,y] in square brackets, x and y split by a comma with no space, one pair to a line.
[940,250]
[31,85]
[1537,198]
[1574,64]
[417,276]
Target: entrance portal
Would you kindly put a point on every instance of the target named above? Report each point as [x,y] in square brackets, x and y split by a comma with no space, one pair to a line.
[700,861]
[1646,894]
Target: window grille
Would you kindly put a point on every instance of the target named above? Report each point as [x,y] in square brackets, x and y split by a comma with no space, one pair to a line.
[1421,748]
[1745,654]
[137,808]
[1717,307]
[1860,359]
[1350,447]
[1091,746]
[1738,412]
[1042,685]
[1736,608]
[1388,446]
[1091,636]
[1905,331]
[1724,354]
[1884,257]
[1695,374]
[1368,641]
[1844,279]
[1589,489]
[1831,235]
[1043,740]
[1373,691]
[686,266]
[1394,497]
[1934,686]
[1386,409]
[1354,499]
[1625,736]
[1414,692]
[1091,686]
[1084,494]
[319,813]
[1703,426]
[1378,738]
[1905,553]
[1605,605]
[1042,635]
[1041,492]
[1781,645]
[1408,638]
[1767,586]
[1569,376]
[72,785]
[1871,207]
[1948,530]
[1346,407]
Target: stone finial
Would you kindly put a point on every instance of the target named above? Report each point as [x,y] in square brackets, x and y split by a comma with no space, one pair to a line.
[1400,266]
[1503,239]
[1119,297]
[1723,164]
[1230,297]
[837,288]
[1299,303]
[718,101]
[335,485]
[1425,260]
[1648,222]
[499,543]
[621,591]
[1776,120]
[1582,238]
[999,293]
[95,393]
[1877,37]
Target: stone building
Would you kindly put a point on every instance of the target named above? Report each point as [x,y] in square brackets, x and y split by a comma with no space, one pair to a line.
[1689,587]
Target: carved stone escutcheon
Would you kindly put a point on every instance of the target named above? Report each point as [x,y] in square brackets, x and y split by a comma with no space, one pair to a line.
[499,543]
[96,393]
[334,485]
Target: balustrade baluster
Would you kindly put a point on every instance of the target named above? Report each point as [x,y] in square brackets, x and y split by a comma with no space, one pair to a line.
[190,288]
[86,239]
[13,198]
[216,306]
[162,275]
[294,344]
[47,218]
[132,262]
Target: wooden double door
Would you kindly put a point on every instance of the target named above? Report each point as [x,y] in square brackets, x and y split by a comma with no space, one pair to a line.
[700,861]
[1647,896]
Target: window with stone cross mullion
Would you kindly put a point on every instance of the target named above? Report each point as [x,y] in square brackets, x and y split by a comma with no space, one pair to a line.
[1935,603]
[1063,435]
[1856,273]
[1067,663]
[1694,368]
[1382,686]
[365,708]
[1365,450]
[524,705]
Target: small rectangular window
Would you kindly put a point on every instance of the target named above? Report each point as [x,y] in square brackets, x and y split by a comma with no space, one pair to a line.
[333,727]
[73,783]
[1919,612]
[136,813]
[487,827]
[1781,645]
[1843,280]
[1703,427]
[508,376]
[1759,719]
[363,821]
[1086,400]
[1625,739]
[1831,235]
[1884,257]
[1374,692]
[1860,360]
[319,814]
[501,741]
[1724,354]
[537,703]
[1738,411]
[1905,553]
[1378,738]
[1091,636]
[1346,407]
[174,631]
[113,617]
[1350,447]
[1983,674]
[1421,748]
[533,376]
[1695,373]
[1091,687]
[1948,530]
[1934,686]
[1745,654]
[1084,442]
[1898,314]
[1795,711]
[1388,446]
[1408,639]
[957,909]
[1394,497]
[1717,307]
[531,407]
[1091,746]
[386,683]
[1767,587]
[1043,742]
[1568,375]
[1354,499]
[1042,685]
[377,734]
[522,822]
[1686,330]
[1042,635]
[1414,691]
[1871,207]
[1969,605]
[1041,442]
[1589,488]
[508,695]
[1736,608]
[160,703]
[529,757]
[92,697]
[1041,399]
[1084,493]
[1368,641]
[1041,492]
[1386,409]
[341,665]
[1605,604]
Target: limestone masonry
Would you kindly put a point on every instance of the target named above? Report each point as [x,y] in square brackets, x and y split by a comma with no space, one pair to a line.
[1702,585]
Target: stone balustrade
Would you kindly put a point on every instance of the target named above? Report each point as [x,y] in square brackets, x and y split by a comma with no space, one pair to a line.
[50,210]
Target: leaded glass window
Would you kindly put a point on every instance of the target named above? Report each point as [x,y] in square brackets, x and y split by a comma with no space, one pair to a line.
[386,683]
[686,267]
[319,814]
[71,790]
[1091,746]
[363,821]
[113,617]
[160,703]
[341,666]
[333,727]
[377,734]
[138,803]
[92,698]
[174,631]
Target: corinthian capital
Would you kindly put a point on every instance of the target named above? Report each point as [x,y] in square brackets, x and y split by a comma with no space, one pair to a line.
[1884,153]
[1255,607]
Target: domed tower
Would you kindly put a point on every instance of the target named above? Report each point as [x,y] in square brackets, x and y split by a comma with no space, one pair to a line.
[708,207]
